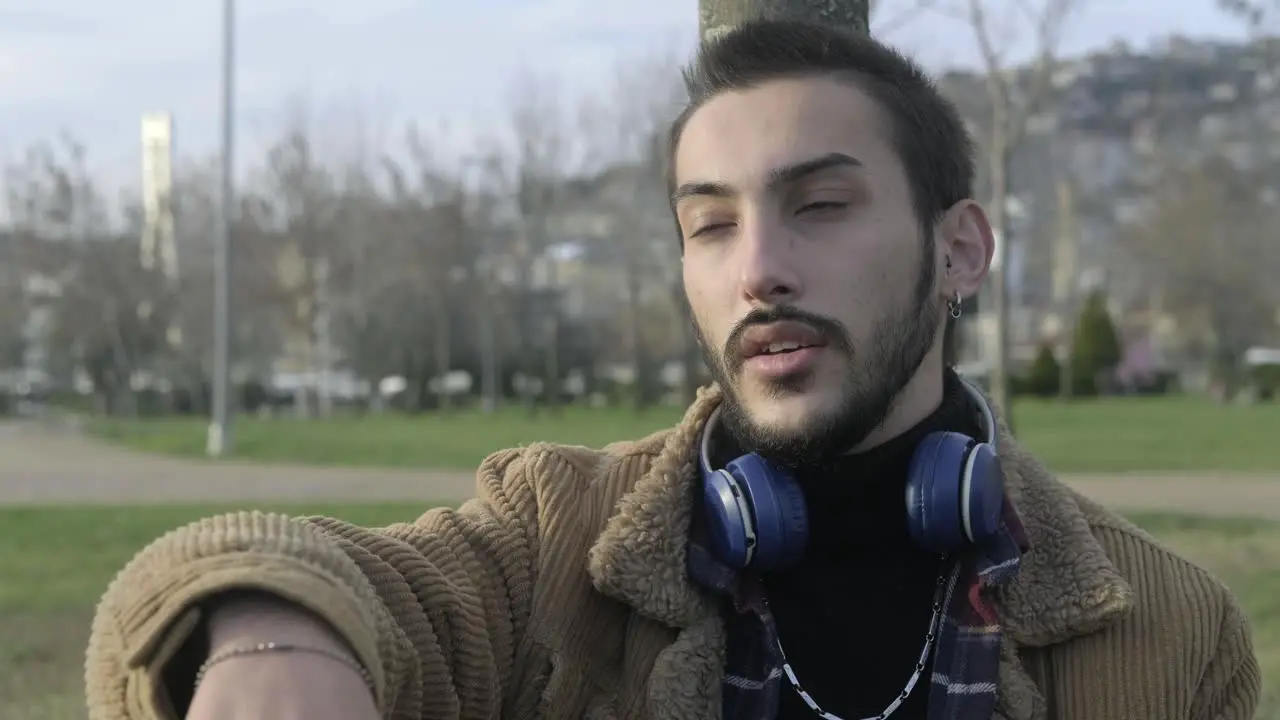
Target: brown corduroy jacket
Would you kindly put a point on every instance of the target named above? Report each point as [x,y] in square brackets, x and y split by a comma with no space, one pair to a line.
[560,591]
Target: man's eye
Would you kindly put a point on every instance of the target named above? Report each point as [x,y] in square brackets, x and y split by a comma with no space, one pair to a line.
[822,205]
[706,229]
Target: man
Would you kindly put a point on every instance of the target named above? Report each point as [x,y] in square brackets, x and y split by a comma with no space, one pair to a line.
[854,559]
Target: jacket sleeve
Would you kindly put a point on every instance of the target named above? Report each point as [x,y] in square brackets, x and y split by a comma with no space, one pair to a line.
[434,609]
[1231,686]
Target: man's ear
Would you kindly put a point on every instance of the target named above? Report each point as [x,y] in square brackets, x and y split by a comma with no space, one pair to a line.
[968,246]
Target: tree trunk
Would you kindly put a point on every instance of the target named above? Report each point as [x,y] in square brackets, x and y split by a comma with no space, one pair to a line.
[1066,370]
[490,390]
[122,366]
[718,16]
[1065,270]
[692,368]
[443,347]
[999,161]
[551,383]
[691,355]
[529,360]
[639,350]
[527,315]
[551,361]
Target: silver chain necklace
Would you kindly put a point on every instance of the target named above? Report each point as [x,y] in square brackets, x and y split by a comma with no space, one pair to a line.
[941,598]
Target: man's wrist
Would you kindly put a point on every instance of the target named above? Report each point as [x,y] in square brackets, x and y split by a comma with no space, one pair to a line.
[247,618]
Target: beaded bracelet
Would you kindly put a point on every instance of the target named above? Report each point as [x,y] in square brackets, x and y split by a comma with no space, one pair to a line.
[265,647]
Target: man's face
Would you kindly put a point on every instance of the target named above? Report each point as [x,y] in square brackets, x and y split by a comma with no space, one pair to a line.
[805,265]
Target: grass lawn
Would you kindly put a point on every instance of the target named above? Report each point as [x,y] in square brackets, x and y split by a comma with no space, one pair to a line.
[56,561]
[1111,435]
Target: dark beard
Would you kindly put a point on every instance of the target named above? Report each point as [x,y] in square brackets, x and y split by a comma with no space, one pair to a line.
[876,376]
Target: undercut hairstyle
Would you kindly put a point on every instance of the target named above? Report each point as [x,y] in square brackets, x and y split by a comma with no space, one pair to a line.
[926,130]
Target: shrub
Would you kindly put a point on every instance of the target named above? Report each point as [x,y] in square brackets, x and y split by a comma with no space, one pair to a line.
[1095,349]
[1044,377]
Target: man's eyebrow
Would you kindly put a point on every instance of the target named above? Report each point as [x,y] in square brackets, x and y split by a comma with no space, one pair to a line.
[790,173]
[778,177]
[700,189]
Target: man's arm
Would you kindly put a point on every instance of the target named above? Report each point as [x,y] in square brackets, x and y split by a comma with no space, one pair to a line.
[316,678]
[417,605]
[1231,686]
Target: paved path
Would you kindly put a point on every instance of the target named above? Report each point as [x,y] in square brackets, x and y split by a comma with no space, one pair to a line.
[42,465]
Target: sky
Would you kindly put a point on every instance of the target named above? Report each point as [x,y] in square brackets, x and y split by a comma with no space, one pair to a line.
[368,67]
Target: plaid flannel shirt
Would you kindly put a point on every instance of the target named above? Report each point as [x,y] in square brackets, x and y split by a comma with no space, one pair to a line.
[966,657]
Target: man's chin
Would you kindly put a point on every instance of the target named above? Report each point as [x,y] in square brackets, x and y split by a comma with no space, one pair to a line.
[783,425]
[787,420]
[792,414]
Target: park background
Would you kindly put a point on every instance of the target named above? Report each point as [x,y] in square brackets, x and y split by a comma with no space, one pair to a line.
[434,256]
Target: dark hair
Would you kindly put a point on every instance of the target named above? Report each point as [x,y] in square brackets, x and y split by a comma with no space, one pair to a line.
[926,130]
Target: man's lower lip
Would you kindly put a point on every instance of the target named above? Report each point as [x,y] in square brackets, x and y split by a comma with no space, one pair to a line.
[783,363]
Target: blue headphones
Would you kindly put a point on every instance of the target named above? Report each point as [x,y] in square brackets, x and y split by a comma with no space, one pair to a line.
[756,516]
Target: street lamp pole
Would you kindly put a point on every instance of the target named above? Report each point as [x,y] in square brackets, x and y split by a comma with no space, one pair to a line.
[219,438]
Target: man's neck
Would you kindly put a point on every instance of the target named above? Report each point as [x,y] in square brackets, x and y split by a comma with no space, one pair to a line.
[918,399]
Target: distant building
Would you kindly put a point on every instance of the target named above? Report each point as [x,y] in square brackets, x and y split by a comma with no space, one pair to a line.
[158,249]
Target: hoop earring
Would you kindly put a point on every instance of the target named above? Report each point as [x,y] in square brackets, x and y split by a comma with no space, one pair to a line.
[953,306]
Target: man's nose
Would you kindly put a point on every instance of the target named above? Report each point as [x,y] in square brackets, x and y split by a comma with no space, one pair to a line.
[767,264]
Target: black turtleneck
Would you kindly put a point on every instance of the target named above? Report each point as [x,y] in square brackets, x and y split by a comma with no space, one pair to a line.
[853,615]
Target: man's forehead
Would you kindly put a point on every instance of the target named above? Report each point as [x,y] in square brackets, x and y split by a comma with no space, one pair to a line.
[772,162]
[771,176]
[753,135]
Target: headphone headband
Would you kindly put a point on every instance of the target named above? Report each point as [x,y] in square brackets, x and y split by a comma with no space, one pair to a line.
[988,418]
[704,445]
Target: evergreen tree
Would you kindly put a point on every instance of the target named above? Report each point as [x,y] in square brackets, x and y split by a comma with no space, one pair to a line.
[1095,350]
[1044,376]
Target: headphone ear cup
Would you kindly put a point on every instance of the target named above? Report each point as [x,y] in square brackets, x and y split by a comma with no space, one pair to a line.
[730,526]
[778,507]
[934,479]
[982,493]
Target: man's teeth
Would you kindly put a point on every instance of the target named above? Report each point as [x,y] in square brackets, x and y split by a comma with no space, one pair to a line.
[782,347]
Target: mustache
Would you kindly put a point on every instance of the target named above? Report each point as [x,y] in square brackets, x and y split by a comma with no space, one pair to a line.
[832,331]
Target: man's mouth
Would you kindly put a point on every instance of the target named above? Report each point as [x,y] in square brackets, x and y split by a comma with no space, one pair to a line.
[779,338]
[783,347]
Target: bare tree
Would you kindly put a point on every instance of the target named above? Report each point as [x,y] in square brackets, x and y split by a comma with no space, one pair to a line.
[1257,14]
[14,305]
[356,271]
[431,233]
[538,162]
[1066,268]
[194,206]
[483,178]
[628,126]
[364,272]
[111,312]
[296,211]
[108,313]
[1015,95]
[1209,245]
[446,222]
